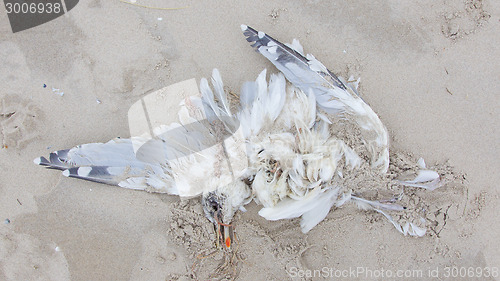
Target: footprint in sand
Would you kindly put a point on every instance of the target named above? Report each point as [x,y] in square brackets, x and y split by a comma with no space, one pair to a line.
[19,119]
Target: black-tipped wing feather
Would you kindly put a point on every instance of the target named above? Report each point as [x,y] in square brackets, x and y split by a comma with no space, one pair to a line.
[301,71]
[98,174]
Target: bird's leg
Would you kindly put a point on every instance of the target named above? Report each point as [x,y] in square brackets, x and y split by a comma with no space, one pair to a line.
[199,257]
[235,252]
[223,269]
[228,267]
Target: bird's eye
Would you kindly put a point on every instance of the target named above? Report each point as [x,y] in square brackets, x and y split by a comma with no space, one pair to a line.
[214,205]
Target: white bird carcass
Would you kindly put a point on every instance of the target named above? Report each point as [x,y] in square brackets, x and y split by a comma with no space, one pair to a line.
[290,147]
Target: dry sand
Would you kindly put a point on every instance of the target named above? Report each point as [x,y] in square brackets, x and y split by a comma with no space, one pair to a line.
[430,69]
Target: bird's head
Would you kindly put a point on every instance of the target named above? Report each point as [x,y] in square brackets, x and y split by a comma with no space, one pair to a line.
[220,206]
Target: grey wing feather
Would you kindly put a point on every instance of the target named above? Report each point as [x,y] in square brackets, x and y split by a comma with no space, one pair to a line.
[113,163]
[297,69]
[149,167]
[152,179]
[55,161]
[117,152]
[98,174]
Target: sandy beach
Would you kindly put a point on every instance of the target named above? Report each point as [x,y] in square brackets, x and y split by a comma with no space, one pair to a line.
[429,69]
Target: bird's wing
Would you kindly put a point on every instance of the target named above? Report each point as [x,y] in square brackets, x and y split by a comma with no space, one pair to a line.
[176,158]
[291,61]
[113,163]
[332,95]
[303,71]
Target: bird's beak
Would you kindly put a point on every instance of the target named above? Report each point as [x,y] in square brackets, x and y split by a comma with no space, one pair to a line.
[225,235]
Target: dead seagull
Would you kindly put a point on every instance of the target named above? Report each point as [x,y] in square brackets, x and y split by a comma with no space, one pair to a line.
[291,147]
